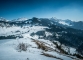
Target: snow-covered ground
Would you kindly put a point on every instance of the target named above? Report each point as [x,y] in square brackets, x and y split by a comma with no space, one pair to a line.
[9,47]
[8,50]
[14,30]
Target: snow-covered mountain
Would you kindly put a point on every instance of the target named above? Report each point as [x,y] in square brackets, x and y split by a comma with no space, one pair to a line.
[3,19]
[68,23]
[40,39]
[20,19]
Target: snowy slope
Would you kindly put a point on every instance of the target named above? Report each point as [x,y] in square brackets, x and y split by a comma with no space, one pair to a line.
[64,23]
[8,50]
[15,30]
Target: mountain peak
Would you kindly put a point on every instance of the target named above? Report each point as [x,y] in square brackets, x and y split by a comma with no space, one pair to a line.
[20,19]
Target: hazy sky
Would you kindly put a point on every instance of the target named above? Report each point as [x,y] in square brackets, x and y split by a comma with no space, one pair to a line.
[61,9]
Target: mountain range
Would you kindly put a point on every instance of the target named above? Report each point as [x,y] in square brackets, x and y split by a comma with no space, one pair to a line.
[69,34]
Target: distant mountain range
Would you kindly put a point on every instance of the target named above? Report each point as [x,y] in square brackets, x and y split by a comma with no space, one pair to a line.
[65,23]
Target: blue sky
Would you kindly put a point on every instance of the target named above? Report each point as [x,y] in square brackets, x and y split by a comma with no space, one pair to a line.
[61,9]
